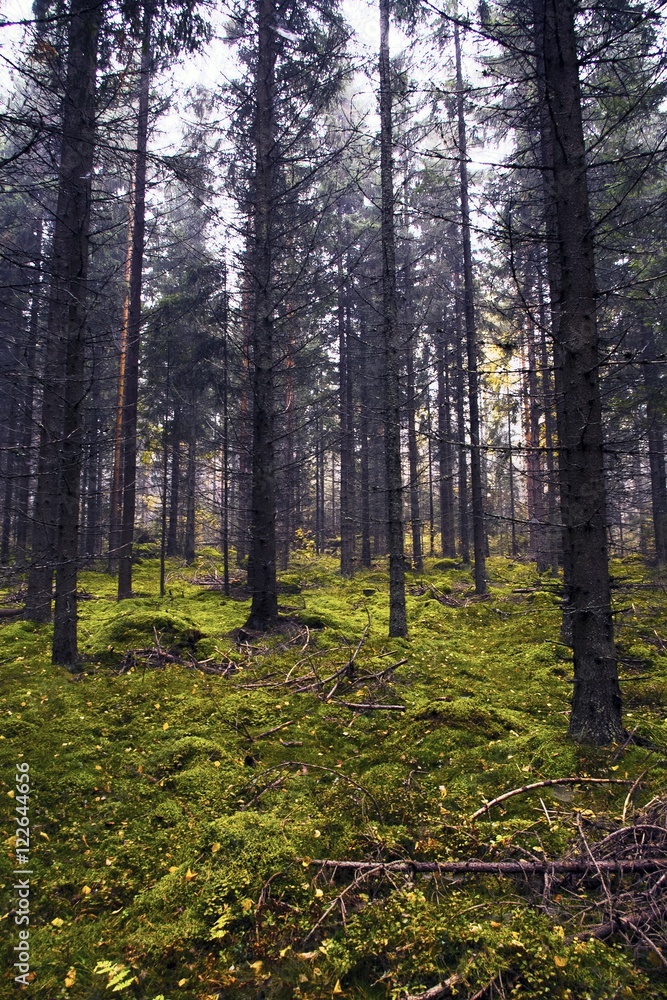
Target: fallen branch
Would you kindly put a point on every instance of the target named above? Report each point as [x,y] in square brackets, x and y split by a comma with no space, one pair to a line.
[367,706]
[619,922]
[439,991]
[621,866]
[270,732]
[547,783]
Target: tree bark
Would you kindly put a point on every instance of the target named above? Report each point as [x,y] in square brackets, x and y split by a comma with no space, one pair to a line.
[464,519]
[445,458]
[131,386]
[596,704]
[191,486]
[70,262]
[479,539]
[656,445]
[398,625]
[116,493]
[347,525]
[264,607]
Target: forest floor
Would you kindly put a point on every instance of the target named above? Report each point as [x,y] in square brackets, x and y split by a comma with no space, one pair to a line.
[176,808]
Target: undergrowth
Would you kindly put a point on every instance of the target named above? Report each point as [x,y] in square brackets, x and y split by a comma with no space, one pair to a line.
[176,811]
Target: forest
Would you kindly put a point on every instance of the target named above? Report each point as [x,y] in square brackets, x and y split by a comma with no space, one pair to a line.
[333,499]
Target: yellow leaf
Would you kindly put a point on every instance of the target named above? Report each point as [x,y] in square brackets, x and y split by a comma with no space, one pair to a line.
[174,868]
[216,763]
[182,982]
[86,891]
[70,978]
[257,966]
[44,835]
[98,767]
[57,922]
[247,905]
[306,861]
[337,991]
[560,961]
[317,833]
[165,725]
[10,794]
[495,924]
[318,893]
[190,875]
[283,951]
[215,848]
[307,955]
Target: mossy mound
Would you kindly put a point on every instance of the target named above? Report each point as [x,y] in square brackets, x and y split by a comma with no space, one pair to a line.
[136,629]
[468,715]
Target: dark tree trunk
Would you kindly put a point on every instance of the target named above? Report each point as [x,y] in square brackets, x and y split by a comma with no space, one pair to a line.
[24,492]
[71,251]
[224,525]
[445,457]
[116,492]
[175,486]
[413,459]
[191,487]
[93,473]
[656,444]
[510,465]
[479,538]
[131,387]
[398,625]
[547,138]
[264,608]
[552,534]
[596,704]
[347,526]
[244,479]
[464,520]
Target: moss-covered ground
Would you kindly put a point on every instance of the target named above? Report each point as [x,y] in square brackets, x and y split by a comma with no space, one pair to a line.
[173,820]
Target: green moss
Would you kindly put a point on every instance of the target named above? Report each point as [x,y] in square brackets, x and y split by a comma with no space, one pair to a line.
[136,628]
[172,817]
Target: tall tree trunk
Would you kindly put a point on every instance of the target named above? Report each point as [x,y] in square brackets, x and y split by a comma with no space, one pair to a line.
[479,539]
[445,463]
[244,479]
[656,444]
[546,141]
[413,459]
[116,491]
[264,607]
[347,525]
[224,526]
[364,446]
[510,465]
[552,534]
[70,261]
[25,470]
[464,521]
[596,704]
[174,486]
[131,386]
[191,486]
[398,625]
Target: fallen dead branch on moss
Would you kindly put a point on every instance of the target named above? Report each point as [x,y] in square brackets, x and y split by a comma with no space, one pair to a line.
[620,880]
[547,783]
[474,867]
